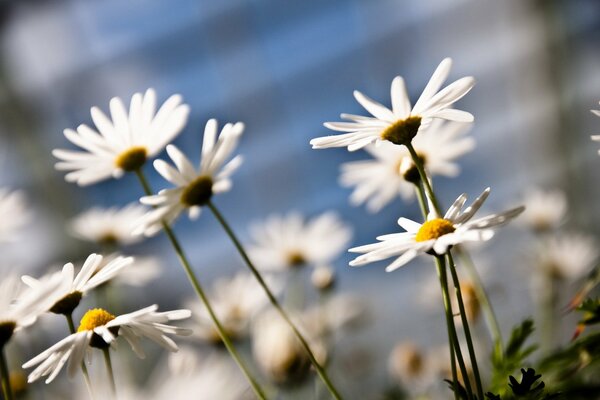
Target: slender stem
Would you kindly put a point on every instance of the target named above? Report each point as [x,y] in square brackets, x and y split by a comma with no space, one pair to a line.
[109,371]
[421,198]
[452,336]
[419,164]
[258,391]
[488,311]
[6,389]
[465,323]
[84,370]
[320,370]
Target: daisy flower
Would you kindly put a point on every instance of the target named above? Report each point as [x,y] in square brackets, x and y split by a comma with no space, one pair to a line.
[545,209]
[108,226]
[67,298]
[402,123]
[125,141]
[139,273]
[20,307]
[290,241]
[194,188]
[392,172]
[436,235]
[236,301]
[567,256]
[596,138]
[98,328]
[13,213]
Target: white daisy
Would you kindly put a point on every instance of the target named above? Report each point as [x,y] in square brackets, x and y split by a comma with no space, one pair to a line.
[236,301]
[98,328]
[567,256]
[20,307]
[436,235]
[290,241]
[123,143]
[13,213]
[139,273]
[596,138]
[390,173]
[402,123]
[108,226]
[545,209]
[68,297]
[194,188]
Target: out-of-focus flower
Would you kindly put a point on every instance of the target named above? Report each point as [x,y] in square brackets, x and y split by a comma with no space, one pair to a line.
[390,173]
[323,277]
[141,271]
[67,296]
[20,307]
[125,143]
[98,328]
[566,256]
[13,214]
[236,301]
[434,235]
[289,241]
[108,226]
[406,363]
[545,210]
[402,123]
[194,189]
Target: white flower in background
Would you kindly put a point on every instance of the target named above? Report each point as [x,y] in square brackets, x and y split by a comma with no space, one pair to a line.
[322,277]
[98,328]
[596,138]
[435,235]
[20,307]
[13,214]
[402,123]
[194,189]
[377,182]
[108,226]
[76,286]
[124,143]
[545,209]
[236,301]
[290,241]
[567,256]
[411,367]
[139,273]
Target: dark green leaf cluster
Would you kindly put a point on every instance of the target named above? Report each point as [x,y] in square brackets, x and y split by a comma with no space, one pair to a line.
[529,388]
[591,311]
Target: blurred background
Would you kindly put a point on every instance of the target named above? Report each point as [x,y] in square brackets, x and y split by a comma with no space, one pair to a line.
[283,68]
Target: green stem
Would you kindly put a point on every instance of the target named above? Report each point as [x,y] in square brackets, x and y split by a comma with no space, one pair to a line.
[109,372]
[482,296]
[258,391]
[84,370]
[424,180]
[452,336]
[422,201]
[465,323]
[320,370]
[6,389]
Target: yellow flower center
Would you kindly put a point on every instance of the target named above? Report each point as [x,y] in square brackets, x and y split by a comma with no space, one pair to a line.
[198,192]
[67,304]
[18,382]
[132,159]
[295,259]
[434,229]
[402,131]
[93,319]
[406,168]
[109,239]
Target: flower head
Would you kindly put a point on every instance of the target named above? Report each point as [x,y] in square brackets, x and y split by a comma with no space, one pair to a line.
[123,143]
[98,328]
[13,213]
[290,241]
[392,171]
[403,122]
[436,235]
[566,256]
[545,209]
[108,226]
[74,287]
[194,188]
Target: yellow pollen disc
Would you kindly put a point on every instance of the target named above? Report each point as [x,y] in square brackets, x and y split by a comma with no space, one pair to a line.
[296,259]
[198,192]
[93,319]
[402,131]
[132,159]
[434,229]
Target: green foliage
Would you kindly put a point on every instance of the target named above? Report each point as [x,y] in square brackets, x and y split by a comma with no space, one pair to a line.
[591,311]
[529,388]
[514,356]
